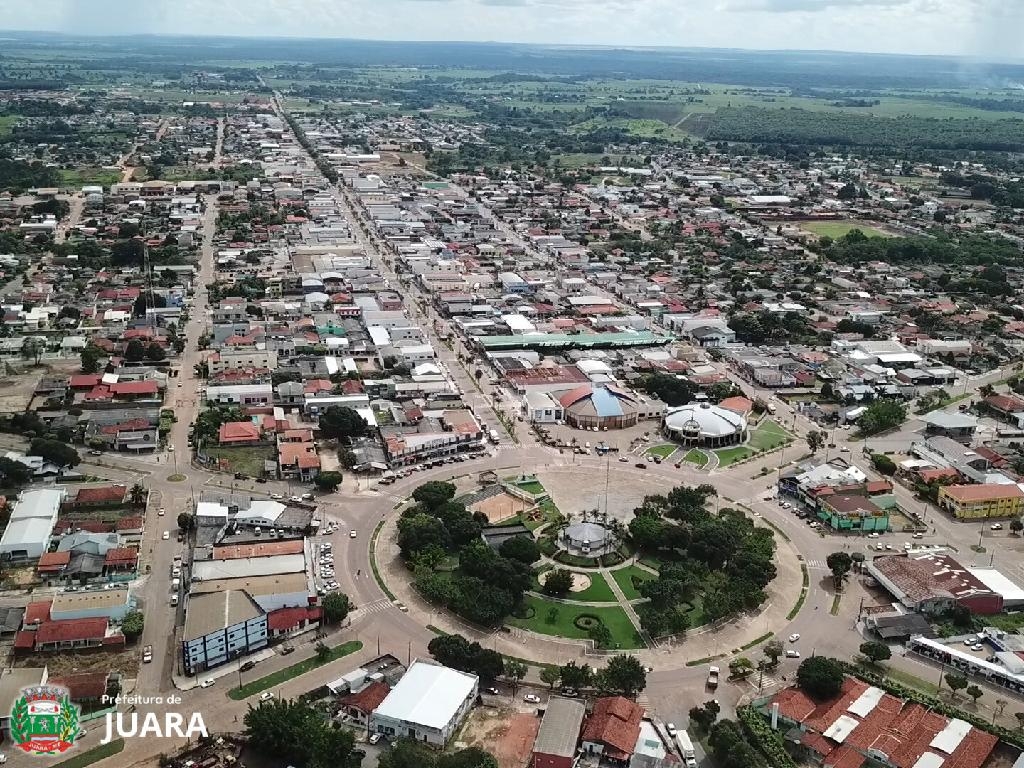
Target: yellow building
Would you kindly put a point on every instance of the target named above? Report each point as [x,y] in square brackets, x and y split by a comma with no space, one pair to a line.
[968,502]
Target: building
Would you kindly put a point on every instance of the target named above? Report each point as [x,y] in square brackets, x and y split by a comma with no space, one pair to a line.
[851,512]
[952,424]
[27,535]
[12,682]
[219,627]
[865,726]
[111,604]
[932,583]
[705,424]
[606,407]
[967,502]
[559,734]
[612,729]
[360,705]
[428,704]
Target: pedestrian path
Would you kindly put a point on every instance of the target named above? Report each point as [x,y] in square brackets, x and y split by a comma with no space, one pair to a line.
[817,565]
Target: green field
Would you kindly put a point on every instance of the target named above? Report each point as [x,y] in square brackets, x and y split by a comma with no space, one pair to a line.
[301,668]
[664,450]
[727,456]
[560,622]
[94,755]
[768,435]
[624,577]
[597,592]
[80,177]
[836,229]
[248,460]
[695,456]
[6,121]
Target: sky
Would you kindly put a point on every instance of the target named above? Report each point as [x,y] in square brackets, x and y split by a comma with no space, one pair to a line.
[987,29]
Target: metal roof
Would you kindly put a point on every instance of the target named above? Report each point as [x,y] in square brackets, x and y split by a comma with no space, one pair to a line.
[428,695]
[560,728]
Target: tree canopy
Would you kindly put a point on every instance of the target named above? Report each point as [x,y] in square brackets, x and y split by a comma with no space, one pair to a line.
[820,677]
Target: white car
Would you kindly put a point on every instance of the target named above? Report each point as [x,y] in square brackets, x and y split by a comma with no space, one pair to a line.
[351,534]
[266,696]
[276,496]
[791,654]
[166,535]
[671,728]
[977,647]
[161,512]
[531,699]
[206,683]
[873,535]
[794,637]
[996,526]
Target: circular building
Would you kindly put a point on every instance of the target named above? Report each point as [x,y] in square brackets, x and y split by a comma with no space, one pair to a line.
[601,407]
[705,424]
[585,538]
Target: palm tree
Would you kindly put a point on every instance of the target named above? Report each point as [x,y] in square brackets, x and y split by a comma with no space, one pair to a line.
[137,495]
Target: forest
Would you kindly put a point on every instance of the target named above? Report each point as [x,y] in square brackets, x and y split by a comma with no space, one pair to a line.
[799,126]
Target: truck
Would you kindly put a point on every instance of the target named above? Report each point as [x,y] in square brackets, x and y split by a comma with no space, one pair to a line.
[685,747]
[713,677]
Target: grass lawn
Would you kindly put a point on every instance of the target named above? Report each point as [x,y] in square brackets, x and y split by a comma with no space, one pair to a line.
[597,592]
[248,460]
[533,487]
[94,755]
[624,578]
[695,456]
[80,177]
[286,674]
[550,618]
[727,456]
[836,229]
[768,435]
[664,450]
[652,561]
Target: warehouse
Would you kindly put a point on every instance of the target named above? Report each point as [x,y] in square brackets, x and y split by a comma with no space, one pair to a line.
[428,704]
[559,734]
[27,535]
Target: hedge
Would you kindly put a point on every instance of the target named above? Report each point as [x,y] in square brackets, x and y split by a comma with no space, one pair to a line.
[764,738]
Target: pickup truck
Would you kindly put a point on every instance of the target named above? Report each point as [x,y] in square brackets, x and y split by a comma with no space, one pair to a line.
[713,677]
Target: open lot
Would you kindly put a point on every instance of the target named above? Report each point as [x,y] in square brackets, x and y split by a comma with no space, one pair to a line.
[506,734]
[836,229]
[248,460]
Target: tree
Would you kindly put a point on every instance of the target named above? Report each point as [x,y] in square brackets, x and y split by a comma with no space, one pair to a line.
[515,671]
[342,423]
[55,452]
[815,440]
[576,676]
[186,522]
[820,677]
[419,532]
[137,495]
[521,548]
[323,651]
[956,682]
[14,473]
[328,481]
[336,607]
[434,494]
[297,733]
[883,464]
[704,716]
[624,675]
[558,582]
[155,352]
[647,532]
[974,692]
[90,357]
[32,349]
[457,652]
[741,667]
[470,757]
[840,564]
[1016,526]
[875,651]
[135,351]
[773,650]
[550,675]
[882,415]
[132,624]
[847,191]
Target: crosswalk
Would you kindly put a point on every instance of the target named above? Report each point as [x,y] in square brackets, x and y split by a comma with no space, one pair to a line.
[817,565]
[764,681]
[370,608]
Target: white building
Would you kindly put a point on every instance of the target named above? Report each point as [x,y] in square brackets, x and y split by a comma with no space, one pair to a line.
[242,359]
[27,535]
[428,704]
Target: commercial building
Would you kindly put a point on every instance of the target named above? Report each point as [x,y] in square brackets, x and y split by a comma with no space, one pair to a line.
[219,627]
[428,704]
[613,728]
[851,512]
[559,734]
[968,502]
[865,726]
[606,407]
[27,535]
[932,583]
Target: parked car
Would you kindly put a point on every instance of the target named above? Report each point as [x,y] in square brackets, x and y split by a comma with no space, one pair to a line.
[147,654]
[791,654]
[266,696]
[641,465]
[374,738]
[794,637]
[247,666]
[206,683]
[531,699]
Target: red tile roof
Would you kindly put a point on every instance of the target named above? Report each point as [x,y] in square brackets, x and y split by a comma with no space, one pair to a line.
[84,380]
[615,722]
[262,549]
[84,686]
[37,613]
[71,630]
[238,431]
[368,699]
[129,524]
[107,494]
[53,561]
[302,455]
[285,619]
[121,556]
